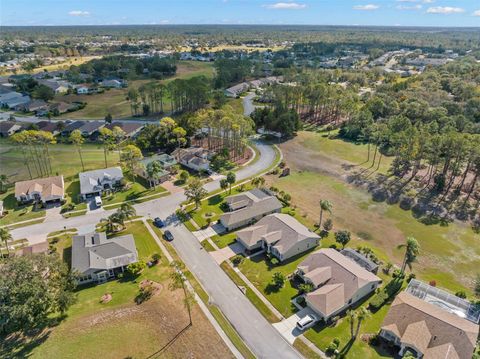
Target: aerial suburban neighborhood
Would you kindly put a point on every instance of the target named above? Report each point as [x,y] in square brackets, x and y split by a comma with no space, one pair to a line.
[240,179]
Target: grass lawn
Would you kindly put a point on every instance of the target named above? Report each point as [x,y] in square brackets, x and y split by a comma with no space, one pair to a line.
[16,212]
[317,172]
[94,329]
[256,301]
[224,240]
[65,160]
[260,272]
[236,104]
[133,193]
[62,243]
[114,101]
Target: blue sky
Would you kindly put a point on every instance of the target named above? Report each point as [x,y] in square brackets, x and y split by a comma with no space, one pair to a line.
[317,12]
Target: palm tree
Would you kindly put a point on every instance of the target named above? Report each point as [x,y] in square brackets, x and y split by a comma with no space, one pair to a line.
[126,211]
[178,281]
[325,205]
[412,248]
[154,169]
[5,236]
[351,316]
[362,314]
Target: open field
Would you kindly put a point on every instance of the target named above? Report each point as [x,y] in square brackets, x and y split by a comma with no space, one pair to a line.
[77,60]
[121,328]
[114,101]
[65,159]
[318,172]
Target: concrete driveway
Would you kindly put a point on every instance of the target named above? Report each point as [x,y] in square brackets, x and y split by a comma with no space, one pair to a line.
[227,252]
[288,327]
[203,234]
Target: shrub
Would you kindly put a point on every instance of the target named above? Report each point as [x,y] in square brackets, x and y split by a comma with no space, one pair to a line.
[237,260]
[144,294]
[136,268]
[461,294]
[305,287]
[274,261]
[301,300]
[156,257]
[278,279]
[410,277]
[378,300]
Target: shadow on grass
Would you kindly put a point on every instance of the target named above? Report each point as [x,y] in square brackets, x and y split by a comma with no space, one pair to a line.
[168,344]
[67,256]
[21,345]
[212,201]
[271,288]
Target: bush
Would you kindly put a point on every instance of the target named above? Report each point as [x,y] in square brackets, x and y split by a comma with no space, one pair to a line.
[156,257]
[274,261]
[378,300]
[136,268]
[237,260]
[144,294]
[461,294]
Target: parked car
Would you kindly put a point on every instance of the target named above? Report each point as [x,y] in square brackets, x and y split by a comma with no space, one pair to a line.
[98,201]
[168,236]
[158,222]
[306,322]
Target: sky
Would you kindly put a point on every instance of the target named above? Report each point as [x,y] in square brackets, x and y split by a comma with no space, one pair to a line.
[309,12]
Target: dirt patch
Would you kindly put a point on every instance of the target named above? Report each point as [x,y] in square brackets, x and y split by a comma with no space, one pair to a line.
[106,298]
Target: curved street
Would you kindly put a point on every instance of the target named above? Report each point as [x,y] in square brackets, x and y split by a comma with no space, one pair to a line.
[259,335]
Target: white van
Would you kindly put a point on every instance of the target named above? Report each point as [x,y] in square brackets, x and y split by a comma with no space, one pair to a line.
[306,322]
[98,201]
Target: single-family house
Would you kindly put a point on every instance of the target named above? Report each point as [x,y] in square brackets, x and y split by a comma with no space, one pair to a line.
[168,162]
[48,126]
[32,106]
[279,234]
[131,129]
[8,128]
[96,182]
[45,190]
[83,90]
[59,87]
[96,258]
[160,177]
[236,90]
[72,126]
[249,207]
[90,127]
[339,282]
[195,158]
[430,323]
[113,83]
[13,99]
[37,248]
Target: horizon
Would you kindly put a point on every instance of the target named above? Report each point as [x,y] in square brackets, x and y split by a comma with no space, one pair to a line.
[385,13]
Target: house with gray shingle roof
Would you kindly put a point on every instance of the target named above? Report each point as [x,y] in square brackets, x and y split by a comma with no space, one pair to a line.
[96,182]
[96,258]
[280,235]
[249,207]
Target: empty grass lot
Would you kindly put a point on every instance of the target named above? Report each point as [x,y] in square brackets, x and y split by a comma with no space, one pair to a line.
[122,328]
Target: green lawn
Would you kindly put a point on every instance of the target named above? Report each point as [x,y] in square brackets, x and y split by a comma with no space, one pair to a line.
[72,192]
[64,157]
[135,191]
[224,240]
[259,271]
[16,212]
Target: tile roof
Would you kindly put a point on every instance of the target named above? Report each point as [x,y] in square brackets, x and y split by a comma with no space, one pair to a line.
[47,187]
[447,335]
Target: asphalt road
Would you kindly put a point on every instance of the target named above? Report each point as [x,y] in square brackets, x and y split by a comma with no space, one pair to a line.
[248,106]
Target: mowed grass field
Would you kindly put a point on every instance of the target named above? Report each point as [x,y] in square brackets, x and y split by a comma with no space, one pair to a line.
[65,159]
[121,328]
[114,101]
[449,254]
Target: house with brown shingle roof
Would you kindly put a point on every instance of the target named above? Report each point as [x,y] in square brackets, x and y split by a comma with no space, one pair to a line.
[339,282]
[50,189]
[429,325]
[280,235]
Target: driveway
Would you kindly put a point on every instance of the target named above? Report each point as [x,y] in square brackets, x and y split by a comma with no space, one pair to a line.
[227,252]
[248,106]
[288,327]
[203,234]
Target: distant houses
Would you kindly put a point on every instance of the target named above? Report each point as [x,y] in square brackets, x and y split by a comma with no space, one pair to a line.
[45,190]
[97,259]
[248,207]
[338,281]
[131,129]
[8,128]
[240,88]
[280,235]
[97,182]
[163,176]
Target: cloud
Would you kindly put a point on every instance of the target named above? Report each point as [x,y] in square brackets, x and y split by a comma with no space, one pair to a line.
[368,7]
[78,13]
[286,6]
[406,7]
[445,10]
[476,13]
